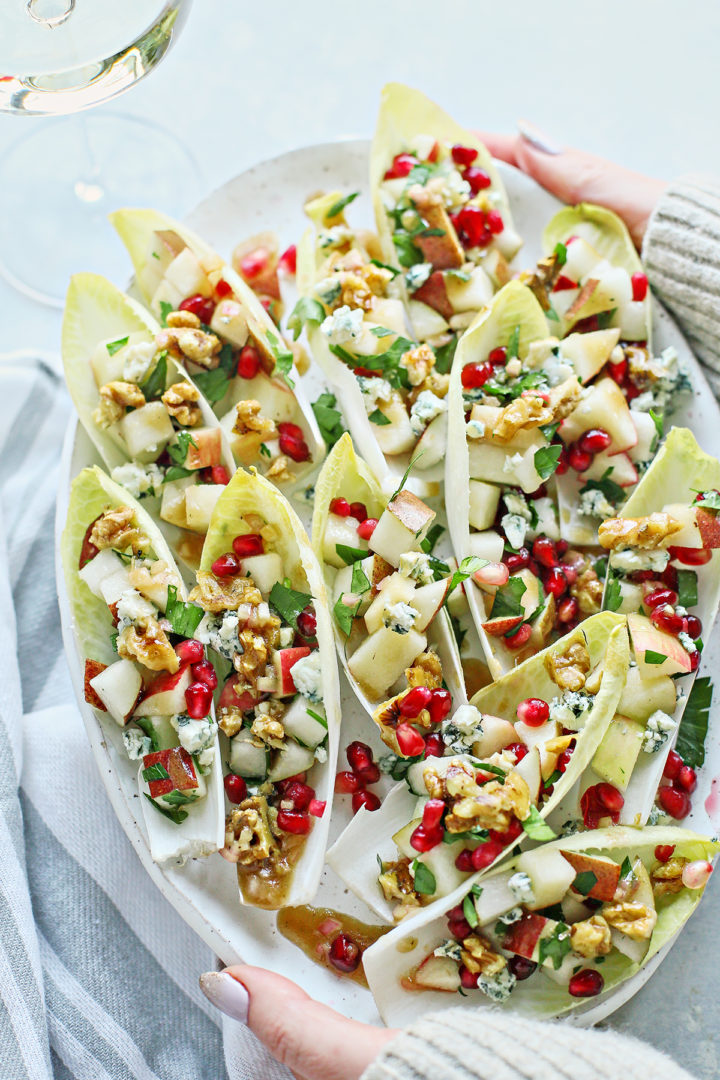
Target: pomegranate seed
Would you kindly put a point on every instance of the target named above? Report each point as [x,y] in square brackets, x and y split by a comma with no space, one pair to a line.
[317,807]
[290,821]
[555,582]
[472,222]
[518,560]
[694,626]
[344,954]
[687,779]
[341,507]
[477,178]
[219,475]
[463,155]
[226,565]
[498,357]
[300,794]
[618,372]
[533,711]
[440,705]
[434,746]
[521,968]
[248,362]
[694,660]
[367,799]
[433,811]
[519,638]
[359,755]
[669,577]
[402,165]
[254,262]
[485,854]
[235,788]
[423,839]
[292,442]
[561,546]
[190,651]
[288,260]
[691,556]
[673,765]
[347,783]
[511,833]
[660,597]
[594,440]
[563,284]
[358,510]
[563,760]
[459,928]
[199,305]
[495,222]
[248,544]
[568,610]
[415,701]
[307,623]
[695,874]
[609,797]
[474,375]
[518,749]
[640,576]
[663,852]
[578,459]
[495,573]
[366,528]
[198,699]
[639,286]
[665,618]
[468,980]
[544,552]
[540,493]
[562,465]
[464,862]
[223,288]
[631,392]
[409,741]
[590,808]
[369,774]
[204,672]
[586,983]
[674,802]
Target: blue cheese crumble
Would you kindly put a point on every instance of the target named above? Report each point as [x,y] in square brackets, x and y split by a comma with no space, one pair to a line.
[424,409]
[344,326]
[306,675]
[138,479]
[417,275]
[658,728]
[328,289]
[416,566]
[131,607]
[512,916]
[514,528]
[137,360]
[374,390]
[400,617]
[220,632]
[475,429]
[629,559]
[194,735]
[451,949]
[460,730]
[137,744]
[594,503]
[521,887]
[570,707]
[498,987]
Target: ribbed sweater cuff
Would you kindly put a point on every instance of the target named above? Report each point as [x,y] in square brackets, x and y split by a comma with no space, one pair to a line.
[681,252]
[461,1044]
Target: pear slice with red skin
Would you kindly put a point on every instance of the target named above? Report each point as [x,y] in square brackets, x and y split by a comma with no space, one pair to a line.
[606,871]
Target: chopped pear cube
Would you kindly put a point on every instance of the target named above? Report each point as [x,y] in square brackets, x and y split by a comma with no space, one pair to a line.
[402,527]
[229,323]
[147,431]
[381,659]
[200,501]
[187,275]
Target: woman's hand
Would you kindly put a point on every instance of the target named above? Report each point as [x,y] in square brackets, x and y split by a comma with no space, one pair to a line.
[315,1042]
[575,176]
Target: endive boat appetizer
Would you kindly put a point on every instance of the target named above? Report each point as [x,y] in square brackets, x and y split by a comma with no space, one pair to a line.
[267,624]
[146,679]
[392,628]
[591,276]
[151,425]
[392,391]
[560,925]
[217,328]
[509,761]
[442,214]
[663,573]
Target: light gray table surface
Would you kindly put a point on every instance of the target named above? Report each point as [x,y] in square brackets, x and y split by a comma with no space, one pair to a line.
[635,80]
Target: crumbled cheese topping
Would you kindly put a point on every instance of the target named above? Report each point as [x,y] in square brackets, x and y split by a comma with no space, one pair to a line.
[475,429]
[416,565]
[514,528]
[137,744]
[132,606]
[520,885]
[424,409]
[417,275]
[658,728]
[220,632]
[450,948]
[306,675]
[498,987]
[374,390]
[594,503]
[137,360]
[630,559]
[570,707]
[194,735]
[138,479]
[512,463]
[400,617]
[344,326]
[460,730]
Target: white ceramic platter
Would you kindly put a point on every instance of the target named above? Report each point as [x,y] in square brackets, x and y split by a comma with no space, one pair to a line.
[204,892]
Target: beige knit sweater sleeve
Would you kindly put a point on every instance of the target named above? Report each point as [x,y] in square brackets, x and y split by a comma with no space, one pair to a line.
[681,253]
[682,256]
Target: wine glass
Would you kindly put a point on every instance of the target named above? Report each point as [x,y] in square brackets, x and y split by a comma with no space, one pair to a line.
[59,57]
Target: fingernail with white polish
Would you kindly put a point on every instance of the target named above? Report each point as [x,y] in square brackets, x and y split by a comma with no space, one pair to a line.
[537,138]
[226,994]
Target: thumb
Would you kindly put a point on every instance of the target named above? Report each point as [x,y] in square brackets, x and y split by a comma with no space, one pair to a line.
[313,1040]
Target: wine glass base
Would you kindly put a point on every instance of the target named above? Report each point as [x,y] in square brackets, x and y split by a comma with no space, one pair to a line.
[60,182]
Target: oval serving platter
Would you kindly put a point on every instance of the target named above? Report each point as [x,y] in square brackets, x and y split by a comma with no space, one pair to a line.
[204,891]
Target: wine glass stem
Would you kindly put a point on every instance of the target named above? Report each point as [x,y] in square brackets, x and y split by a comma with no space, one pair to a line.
[89,189]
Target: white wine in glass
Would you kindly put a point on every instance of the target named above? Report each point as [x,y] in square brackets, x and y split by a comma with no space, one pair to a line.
[59,57]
